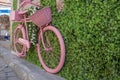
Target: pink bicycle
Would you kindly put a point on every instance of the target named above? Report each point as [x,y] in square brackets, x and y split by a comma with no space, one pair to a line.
[48,35]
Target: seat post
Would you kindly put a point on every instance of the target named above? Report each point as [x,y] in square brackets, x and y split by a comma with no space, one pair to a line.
[25,22]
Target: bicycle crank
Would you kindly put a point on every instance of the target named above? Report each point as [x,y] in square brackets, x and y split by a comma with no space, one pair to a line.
[24,42]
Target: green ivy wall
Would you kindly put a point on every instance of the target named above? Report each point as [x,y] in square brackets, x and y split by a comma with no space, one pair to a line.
[91,31]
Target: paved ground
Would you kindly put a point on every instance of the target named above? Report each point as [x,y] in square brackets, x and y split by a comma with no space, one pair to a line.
[5,44]
[5,72]
[23,69]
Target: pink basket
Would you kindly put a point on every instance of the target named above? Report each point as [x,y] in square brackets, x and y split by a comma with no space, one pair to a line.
[14,16]
[42,17]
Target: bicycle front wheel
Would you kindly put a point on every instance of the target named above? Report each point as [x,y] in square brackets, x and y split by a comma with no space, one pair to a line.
[51,50]
[20,49]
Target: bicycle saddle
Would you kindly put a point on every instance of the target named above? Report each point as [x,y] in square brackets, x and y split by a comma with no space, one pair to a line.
[25,2]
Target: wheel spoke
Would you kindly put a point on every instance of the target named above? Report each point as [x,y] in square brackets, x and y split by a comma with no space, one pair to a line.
[51,58]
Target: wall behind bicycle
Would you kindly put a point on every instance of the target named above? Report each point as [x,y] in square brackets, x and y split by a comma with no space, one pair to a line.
[91,31]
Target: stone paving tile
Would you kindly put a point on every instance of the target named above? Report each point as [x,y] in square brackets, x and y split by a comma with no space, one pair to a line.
[11,74]
[6,73]
[2,74]
[5,44]
[2,78]
[13,78]
[7,70]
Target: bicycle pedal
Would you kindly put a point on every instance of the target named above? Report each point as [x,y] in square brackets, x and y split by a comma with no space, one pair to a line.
[24,42]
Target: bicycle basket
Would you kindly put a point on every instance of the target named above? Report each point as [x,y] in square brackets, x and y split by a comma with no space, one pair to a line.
[42,17]
[14,16]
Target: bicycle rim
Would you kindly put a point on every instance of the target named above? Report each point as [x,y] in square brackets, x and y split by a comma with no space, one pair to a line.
[53,59]
[19,48]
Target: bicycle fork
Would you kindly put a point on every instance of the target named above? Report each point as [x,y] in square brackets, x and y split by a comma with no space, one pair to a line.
[24,42]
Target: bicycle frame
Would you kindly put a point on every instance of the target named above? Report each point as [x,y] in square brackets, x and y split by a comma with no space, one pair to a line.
[25,20]
[41,19]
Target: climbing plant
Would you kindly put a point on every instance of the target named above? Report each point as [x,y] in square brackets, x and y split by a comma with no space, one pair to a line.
[91,31]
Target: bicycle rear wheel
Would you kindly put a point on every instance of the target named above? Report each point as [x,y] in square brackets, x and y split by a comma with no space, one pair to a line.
[20,49]
[52,58]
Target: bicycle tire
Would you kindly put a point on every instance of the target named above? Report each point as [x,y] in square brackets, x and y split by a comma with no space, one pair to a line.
[19,32]
[61,60]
